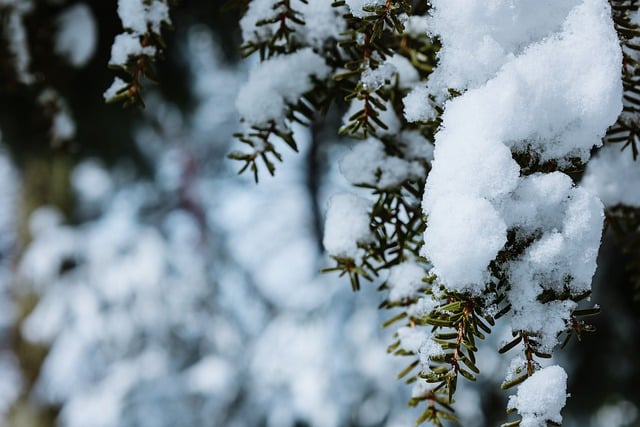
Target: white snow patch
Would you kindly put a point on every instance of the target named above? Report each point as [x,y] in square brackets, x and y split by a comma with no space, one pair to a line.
[541,397]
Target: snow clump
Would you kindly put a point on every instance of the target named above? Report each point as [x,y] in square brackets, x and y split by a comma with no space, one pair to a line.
[552,97]
[322,22]
[541,397]
[346,225]
[356,6]
[368,163]
[277,82]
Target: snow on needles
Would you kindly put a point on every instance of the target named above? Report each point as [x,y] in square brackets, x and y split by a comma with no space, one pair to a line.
[554,98]
[356,6]
[368,164]
[127,45]
[139,15]
[541,397]
[346,225]
[478,38]
[277,82]
[321,20]
[140,18]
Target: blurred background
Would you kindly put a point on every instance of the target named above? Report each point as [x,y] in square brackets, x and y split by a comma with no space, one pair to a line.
[144,283]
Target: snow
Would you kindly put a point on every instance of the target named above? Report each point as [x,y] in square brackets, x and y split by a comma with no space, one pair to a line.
[212,374]
[415,146]
[258,10]
[139,15]
[276,83]
[322,22]
[77,34]
[517,365]
[346,225]
[91,182]
[621,413]
[412,339]
[422,307]
[541,397]
[429,349]
[415,25]
[554,98]
[464,233]
[405,280]
[18,44]
[127,46]
[147,272]
[536,202]
[367,163]
[285,351]
[416,341]
[356,6]
[494,177]
[418,106]
[10,217]
[406,72]
[571,221]
[535,76]
[374,79]
[117,85]
[479,38]
[41,259]
[421,387]
[63,127]
[11,385]
[140,18]
[614,177]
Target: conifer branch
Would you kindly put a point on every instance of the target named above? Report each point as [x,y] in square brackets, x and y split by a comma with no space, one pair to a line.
[625,130]
[135,50]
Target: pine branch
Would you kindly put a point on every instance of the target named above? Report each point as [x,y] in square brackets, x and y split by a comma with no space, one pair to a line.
[138,62]
[625,130]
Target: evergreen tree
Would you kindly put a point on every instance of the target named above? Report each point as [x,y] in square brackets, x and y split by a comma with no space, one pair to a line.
[502,230]
[475,207]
